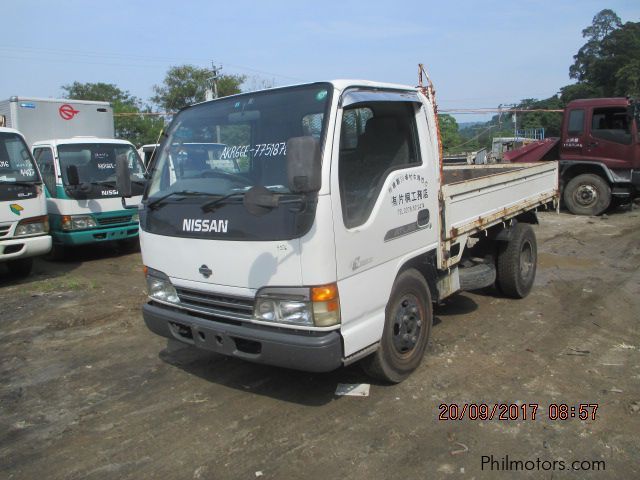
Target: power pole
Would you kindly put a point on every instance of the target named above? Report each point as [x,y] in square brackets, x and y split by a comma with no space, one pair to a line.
[212,91]
[212,87]
[214,78]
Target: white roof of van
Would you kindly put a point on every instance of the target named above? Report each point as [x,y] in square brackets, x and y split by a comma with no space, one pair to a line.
[76,140]
[17,98]
[9,130]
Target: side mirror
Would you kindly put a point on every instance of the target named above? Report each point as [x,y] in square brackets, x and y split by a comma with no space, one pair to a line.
[72,175]
[304,169]
[123,176]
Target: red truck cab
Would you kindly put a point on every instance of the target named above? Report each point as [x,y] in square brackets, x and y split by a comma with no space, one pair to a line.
[599,153]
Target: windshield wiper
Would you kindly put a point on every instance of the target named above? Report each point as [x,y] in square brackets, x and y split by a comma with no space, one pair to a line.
[210,206]
[22,184]
[104,183]
[156,203]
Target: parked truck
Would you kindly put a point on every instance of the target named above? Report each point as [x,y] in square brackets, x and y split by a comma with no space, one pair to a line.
[82,199]
[332,231]
[42,118]
[73,145]
[598,153]
[24,227]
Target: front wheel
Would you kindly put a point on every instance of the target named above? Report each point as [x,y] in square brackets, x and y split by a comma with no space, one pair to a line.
[129,245]
[517,262]
[587,194]
[408,320]
[20,268]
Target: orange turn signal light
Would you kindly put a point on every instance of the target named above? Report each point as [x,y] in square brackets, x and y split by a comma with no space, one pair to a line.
[324,293]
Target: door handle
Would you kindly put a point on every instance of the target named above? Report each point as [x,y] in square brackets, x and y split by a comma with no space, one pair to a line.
[423,217]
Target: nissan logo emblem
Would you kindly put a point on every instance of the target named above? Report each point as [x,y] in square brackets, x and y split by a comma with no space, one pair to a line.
[205,271]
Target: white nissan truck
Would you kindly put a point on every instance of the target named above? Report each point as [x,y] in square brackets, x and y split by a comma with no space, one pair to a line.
[326,228]
[24,227]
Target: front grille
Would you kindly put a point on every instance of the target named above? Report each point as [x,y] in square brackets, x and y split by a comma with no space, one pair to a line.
[4,230]
[235,308]
[114,220]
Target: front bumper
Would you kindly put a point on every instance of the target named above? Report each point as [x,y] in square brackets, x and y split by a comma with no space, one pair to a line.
[24,247]
[84,237]
[308,351]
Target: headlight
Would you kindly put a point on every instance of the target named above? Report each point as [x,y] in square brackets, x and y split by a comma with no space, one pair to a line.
[159,286]
[32,226]
[315,306]
[78,222]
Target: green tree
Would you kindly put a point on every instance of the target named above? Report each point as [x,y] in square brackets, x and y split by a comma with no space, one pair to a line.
[550,121]
[185,85]
[608,64]
[579,90]
[448,132]
[605,22]
[130,124]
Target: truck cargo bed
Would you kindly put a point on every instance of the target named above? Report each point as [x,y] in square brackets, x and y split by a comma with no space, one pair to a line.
[460,173]
[477,197]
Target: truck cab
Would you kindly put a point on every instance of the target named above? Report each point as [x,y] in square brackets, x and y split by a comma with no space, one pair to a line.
[598,153]
[24,227]
[82,199]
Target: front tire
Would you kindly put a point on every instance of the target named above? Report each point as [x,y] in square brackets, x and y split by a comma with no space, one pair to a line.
[517,262]
[587,194]
[408,320]
[20,268]
[129,245]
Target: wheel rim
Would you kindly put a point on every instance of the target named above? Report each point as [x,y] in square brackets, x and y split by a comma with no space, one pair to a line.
[586,195]
[526,260]
[407,325]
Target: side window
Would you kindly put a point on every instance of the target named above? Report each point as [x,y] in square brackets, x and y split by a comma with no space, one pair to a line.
[376,138]
[312,125]
[353,123]
[576,122]
[44,159]
[611,124]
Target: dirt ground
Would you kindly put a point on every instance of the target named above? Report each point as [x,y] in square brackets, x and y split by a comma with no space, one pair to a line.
[87,392]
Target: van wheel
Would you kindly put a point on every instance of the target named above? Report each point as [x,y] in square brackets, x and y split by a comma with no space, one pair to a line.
[587,194]
[517,261]
[20,268]
[129,245]
[408,320]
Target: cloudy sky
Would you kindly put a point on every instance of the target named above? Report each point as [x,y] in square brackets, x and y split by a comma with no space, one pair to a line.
[479,54]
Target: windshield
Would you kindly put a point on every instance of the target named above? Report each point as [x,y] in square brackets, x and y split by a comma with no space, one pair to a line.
[232,144]
[96,166]
[16,164]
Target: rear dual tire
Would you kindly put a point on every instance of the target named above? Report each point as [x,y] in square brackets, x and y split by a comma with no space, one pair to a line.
[517,262]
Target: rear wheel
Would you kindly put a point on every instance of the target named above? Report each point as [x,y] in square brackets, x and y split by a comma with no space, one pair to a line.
[408,320]
[517,261]
[20,268]
[587,194]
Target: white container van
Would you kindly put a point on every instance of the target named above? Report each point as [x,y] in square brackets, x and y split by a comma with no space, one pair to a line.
[42,118]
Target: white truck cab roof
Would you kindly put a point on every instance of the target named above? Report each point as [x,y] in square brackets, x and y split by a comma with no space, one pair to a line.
[9,130]
[76,140]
